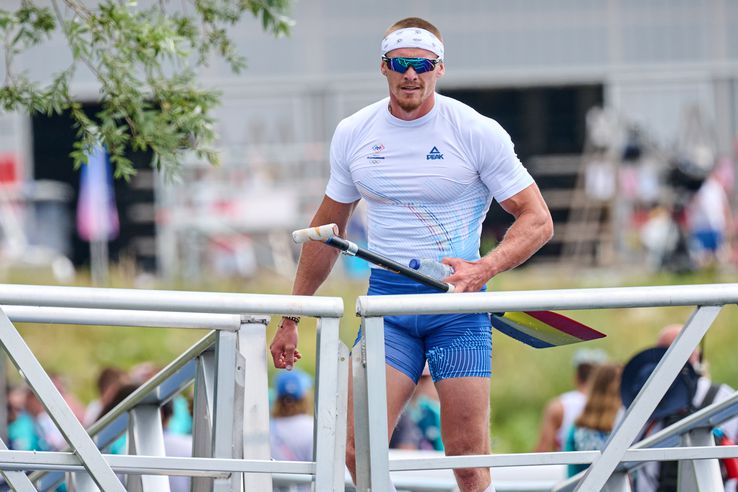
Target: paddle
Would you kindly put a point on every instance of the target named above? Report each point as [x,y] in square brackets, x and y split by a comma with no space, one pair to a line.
[539,329]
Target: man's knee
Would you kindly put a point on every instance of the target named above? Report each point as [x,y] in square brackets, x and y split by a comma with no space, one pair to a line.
[465,443]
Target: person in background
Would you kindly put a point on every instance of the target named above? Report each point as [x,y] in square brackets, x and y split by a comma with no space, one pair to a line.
[109,380]
[659,476]
[119,445]
[178,445]
[561,411]
[78,409]
[710,223]
[704,384]
[292,424]
[50,438]
[594,425]
[419,426]
[22,431]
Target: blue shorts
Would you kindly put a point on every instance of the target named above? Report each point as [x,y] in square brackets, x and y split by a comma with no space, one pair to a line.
[455,345]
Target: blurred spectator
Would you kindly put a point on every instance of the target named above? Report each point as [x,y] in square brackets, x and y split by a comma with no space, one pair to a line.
[419,426]
[710,224]
[140,373]
[691,391]
[594,425]
[49,436]
[78,409]
[109,382]
[22,432]
[561,411]
[123,392]
[181,420]
[177,445]
[291,427]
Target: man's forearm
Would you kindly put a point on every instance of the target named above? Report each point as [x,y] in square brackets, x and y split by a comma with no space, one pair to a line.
[316,262]
[528,234]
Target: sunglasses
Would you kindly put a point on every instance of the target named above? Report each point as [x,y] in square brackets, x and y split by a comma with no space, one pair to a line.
[420,65]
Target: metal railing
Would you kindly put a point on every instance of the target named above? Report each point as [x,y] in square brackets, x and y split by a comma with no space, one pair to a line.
[227,367]
[607,470]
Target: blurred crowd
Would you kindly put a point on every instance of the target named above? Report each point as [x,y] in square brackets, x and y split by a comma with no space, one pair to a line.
[30,428]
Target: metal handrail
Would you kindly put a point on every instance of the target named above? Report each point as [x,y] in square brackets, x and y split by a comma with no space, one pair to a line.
[373,465]
[170,300]
[232,341]
[558,299]
[122,317]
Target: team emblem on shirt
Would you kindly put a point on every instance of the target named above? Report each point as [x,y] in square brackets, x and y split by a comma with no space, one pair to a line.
[434,154]
[375,150]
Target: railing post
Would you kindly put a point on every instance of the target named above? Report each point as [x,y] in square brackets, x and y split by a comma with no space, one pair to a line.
[329,447]
[146,437]
[370,420]
[700,475]
[254,393]
[202,415]
[618,482]
[226,398]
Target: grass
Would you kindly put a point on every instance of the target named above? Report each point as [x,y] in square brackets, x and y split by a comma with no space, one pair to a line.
[523,378]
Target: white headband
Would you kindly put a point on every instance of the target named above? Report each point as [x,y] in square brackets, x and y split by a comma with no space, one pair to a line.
[412,37]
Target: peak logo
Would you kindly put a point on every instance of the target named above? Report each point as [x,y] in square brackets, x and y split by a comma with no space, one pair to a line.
[434,154]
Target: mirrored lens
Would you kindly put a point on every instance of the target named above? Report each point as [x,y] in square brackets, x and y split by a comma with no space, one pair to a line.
[420,65]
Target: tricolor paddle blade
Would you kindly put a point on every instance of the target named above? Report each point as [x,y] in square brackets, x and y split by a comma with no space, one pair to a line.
[543,329]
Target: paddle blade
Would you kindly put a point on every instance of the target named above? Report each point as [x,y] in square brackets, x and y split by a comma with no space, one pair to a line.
[543,329]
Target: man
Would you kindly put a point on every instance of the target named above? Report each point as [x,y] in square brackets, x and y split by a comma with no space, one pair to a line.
[561,412]
[428,168]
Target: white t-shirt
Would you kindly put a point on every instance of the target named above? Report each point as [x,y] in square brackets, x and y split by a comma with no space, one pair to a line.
[292,438]
[428,183]
[707,210]
[573,403]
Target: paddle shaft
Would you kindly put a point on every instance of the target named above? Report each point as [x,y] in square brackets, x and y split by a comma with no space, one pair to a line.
[351,248]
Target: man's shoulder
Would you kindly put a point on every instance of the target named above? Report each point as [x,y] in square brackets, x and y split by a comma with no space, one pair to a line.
[462,113]
[365,114]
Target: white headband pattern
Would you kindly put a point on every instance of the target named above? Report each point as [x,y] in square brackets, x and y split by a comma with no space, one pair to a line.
[412,37]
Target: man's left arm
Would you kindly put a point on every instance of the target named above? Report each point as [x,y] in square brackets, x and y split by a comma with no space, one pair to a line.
[531,229]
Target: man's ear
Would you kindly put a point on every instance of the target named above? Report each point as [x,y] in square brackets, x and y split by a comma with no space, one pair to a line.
[441,70]
[383,67]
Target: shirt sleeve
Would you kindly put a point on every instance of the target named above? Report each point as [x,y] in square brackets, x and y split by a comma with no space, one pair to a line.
[498,164]
[340,186]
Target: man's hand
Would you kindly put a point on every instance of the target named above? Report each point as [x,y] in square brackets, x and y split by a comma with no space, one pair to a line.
[468,276]
[284,345]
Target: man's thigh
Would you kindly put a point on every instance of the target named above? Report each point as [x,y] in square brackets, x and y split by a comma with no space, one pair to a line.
[464,414]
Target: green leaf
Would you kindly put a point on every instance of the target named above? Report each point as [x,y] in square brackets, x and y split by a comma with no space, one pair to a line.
[144,59]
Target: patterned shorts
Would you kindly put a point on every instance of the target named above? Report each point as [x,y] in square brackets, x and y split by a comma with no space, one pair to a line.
[455,345]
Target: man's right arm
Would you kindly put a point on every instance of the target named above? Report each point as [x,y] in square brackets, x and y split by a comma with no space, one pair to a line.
[316,262]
